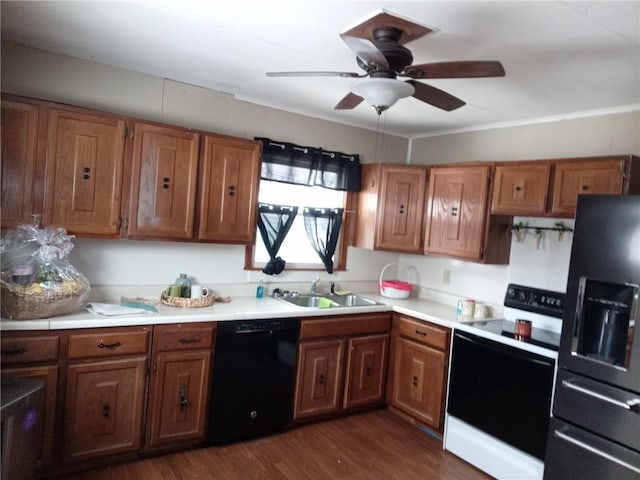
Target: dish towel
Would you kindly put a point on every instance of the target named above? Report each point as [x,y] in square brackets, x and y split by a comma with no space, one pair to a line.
[110,310]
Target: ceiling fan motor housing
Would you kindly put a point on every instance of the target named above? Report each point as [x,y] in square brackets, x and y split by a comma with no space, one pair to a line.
[386,39]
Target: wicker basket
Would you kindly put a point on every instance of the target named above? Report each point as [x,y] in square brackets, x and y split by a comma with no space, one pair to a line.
[181,302]
[395,288]
[19,303]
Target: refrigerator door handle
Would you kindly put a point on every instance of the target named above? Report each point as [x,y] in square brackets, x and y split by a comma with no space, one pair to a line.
[595,451]
[632,405]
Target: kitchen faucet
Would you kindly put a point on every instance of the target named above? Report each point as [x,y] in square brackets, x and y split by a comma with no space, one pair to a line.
[314,286]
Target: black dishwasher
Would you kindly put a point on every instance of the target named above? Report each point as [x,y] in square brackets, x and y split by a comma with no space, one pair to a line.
[254,371]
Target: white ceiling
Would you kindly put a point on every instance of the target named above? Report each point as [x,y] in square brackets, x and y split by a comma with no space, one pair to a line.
[561,58]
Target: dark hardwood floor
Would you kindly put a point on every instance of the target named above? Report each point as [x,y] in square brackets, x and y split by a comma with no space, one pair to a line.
[370,446]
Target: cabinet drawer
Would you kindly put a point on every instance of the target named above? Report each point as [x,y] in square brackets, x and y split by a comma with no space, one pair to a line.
[108,343]
[190,336]
[29,349]
[345,325]
[425,333]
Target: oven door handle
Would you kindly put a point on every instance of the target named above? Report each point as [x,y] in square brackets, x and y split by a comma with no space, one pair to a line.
[507,349]
[632,405]
[594,450]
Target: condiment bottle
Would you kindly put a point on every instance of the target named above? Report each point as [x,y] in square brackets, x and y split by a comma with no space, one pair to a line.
[185,285]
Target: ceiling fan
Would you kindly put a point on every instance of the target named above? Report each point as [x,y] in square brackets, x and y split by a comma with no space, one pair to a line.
[379,47]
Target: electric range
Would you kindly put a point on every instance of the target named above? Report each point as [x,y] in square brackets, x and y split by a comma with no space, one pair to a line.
[501,385]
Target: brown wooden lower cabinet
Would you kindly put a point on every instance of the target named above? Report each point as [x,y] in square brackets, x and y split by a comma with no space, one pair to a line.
[35,355]
[419,370]
[103,408]
[179,384]
[319,380]
[366,368]
[342,363]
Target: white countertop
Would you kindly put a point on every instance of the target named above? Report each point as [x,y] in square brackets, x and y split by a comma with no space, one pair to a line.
[239,308]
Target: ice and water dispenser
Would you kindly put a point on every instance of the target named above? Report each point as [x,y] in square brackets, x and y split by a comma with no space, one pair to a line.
[605,321]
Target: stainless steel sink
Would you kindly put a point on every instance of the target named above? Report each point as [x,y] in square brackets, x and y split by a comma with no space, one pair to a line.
[310,301]
[327,301]
[353,300]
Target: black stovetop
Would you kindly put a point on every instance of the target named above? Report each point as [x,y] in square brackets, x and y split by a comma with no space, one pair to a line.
[506,328]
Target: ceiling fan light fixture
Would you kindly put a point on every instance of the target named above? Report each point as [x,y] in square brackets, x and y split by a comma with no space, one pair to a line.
[381,93]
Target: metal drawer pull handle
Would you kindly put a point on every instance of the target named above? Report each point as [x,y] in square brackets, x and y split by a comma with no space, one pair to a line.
[183,401]
[424,334]
[187,340]
[110,346]
[595,450]
[13,352]
[633,404]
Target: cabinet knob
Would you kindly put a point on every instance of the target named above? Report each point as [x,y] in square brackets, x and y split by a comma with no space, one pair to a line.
[232,190]
[321,379]
[368,371]
[454,211]
[585,188]
[85,173]
[106,410]
[414,381]
[166,182]
[401,208]
[518,188]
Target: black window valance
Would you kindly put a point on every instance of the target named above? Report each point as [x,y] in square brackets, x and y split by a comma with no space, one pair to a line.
[289,163]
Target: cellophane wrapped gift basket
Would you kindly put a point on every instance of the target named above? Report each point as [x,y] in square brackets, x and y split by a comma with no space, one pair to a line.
[37,280]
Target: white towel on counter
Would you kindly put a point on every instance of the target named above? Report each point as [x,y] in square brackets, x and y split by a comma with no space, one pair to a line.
[110,310]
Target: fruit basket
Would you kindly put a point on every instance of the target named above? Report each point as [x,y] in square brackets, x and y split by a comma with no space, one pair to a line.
[36,279]
[26,303]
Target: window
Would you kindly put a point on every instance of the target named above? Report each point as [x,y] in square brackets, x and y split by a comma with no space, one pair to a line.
[302,210]
[296,249]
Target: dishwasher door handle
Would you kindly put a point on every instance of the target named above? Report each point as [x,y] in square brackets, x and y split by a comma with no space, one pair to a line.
[263,332]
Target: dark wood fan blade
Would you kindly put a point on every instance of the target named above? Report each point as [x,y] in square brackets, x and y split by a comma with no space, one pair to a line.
[366,51]
[465,69]
[436,97]
[315,74]
[350,100]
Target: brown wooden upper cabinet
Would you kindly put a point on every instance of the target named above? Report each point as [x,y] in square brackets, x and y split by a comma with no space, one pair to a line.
[163,182]
[521,189]
[550,188]
[588,177]
[391,207]
[20,122]
[457,210]
[85,155]
[228,189]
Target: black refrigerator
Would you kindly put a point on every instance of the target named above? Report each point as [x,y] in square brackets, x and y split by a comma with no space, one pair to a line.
[594,431]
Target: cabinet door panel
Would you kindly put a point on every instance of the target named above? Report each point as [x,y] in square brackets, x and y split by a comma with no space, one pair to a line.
[49,375]
[419,381]
[584,178]
[366,370]
[179,394]
[163,186]
[521,189]
[19,150]
[320,366]
[457,211]
[399,226]
[229,176]
[84,172]
[103,408]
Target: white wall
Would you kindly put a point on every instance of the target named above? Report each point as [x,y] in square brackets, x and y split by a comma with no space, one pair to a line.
[597,134]
[40,74]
